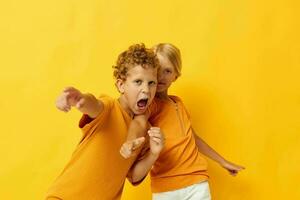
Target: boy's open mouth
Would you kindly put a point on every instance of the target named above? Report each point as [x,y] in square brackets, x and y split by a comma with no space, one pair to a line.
[142,103]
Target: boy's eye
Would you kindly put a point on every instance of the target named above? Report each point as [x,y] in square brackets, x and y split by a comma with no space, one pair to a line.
[138,82]
[168,71]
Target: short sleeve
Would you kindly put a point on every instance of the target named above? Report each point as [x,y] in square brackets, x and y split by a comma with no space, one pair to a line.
[86,123]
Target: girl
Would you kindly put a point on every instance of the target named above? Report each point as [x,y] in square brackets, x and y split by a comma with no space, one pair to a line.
[180,171]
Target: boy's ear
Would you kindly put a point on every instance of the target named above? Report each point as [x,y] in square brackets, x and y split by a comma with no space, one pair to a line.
[120,85]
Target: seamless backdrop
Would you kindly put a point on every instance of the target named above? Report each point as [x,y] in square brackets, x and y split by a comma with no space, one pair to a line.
[240,82]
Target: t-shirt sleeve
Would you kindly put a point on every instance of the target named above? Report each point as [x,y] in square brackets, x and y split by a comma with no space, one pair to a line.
[86,123]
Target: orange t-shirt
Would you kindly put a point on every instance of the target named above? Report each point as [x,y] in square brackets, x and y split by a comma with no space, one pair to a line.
[96,169]
[180,164]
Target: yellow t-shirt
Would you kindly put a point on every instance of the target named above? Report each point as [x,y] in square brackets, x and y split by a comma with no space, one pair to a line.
[180,164]
[96,169]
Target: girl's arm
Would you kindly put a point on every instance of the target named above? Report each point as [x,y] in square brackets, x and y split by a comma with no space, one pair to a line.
[205,149]
[135,135]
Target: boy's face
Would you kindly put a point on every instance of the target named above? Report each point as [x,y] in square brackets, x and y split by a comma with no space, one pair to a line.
[139,88]
[166,75]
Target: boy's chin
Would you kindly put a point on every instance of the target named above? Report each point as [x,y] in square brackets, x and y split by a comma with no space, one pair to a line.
[140,111]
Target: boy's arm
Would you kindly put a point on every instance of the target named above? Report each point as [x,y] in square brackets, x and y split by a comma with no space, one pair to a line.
[205,149]
[141,168]
[86,103]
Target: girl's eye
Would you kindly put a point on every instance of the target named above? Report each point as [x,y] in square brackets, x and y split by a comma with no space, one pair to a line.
[152,83]
[168,71]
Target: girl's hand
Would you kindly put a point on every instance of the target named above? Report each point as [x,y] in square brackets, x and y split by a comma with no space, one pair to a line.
[232,168]
[156,140]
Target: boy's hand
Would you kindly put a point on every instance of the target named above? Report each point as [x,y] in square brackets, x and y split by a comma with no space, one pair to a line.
[70,97]
[128,148]
[156,140]
[232,168]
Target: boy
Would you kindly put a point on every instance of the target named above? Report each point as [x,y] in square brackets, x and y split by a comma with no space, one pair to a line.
[96,169]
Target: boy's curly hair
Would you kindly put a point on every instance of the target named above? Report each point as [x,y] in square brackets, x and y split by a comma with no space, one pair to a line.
[136,54]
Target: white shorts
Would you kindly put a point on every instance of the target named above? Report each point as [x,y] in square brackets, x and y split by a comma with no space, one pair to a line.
[199,191]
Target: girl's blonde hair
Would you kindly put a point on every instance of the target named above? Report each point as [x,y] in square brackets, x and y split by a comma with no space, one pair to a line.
[172,53]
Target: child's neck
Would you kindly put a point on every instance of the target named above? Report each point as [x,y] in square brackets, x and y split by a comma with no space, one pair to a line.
[125,106]
[162,95]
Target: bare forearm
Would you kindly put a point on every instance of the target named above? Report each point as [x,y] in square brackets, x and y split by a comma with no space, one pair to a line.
[90,105]
[141,169]
[137,128]
[205,149]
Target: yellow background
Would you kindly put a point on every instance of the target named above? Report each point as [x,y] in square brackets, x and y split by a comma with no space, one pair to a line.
[240,82]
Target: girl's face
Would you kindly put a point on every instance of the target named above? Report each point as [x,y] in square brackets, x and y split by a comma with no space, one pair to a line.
[166,74]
